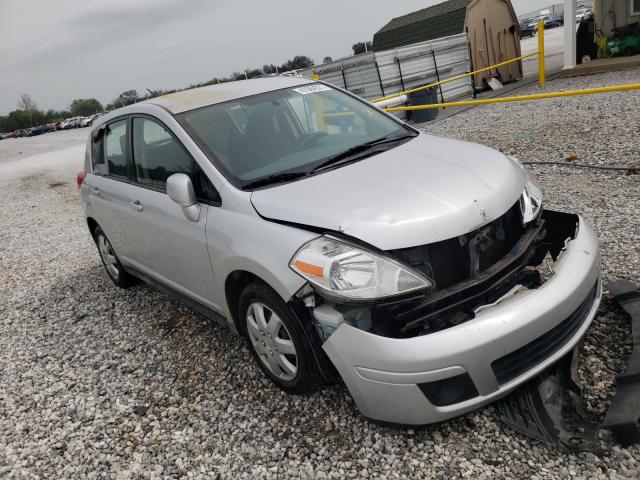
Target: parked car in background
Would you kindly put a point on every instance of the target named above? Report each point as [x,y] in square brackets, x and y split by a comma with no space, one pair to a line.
[336,238]
[88,121]
[73,122]
[54,126]
[527,29]
[5,135]
[39,130]
[553,21]
[583,13]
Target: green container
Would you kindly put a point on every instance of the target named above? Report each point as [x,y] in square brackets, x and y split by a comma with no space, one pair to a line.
[625,46]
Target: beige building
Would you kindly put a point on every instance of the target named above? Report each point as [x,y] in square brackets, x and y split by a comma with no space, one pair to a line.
[494,37]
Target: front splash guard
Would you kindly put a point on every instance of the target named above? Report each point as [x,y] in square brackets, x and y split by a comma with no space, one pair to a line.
[549,408]
[623,417]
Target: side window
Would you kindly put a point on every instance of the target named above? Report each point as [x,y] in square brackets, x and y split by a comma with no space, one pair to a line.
[116,149]
[98,164]
[156,154]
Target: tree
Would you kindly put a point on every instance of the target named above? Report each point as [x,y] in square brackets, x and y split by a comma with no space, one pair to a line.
[27,104]
[269,69]
[297,63]
[327,60]
[252,73]
[83,107]
[15,119]
[361,47]
[125,98]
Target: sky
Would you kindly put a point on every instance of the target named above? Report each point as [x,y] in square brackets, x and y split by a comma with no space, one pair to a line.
[59,50]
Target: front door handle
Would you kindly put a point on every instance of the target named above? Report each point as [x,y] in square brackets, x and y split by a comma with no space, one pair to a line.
[95,191]
[137,206]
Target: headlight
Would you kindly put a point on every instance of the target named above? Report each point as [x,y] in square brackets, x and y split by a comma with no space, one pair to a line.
[531,198]
[353,273]
[531,201]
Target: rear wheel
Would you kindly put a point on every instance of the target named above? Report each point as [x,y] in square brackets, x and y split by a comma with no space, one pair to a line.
[110,261]
[277,341]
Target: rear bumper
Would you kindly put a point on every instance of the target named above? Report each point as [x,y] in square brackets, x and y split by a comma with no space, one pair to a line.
[383,374]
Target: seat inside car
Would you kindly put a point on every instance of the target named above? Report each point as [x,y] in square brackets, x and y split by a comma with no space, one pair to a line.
[272,138]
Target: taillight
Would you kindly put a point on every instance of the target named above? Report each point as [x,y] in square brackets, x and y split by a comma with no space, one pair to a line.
[80,178]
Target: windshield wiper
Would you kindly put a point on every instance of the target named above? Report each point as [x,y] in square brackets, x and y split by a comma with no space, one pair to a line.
[273,179]
[352,153]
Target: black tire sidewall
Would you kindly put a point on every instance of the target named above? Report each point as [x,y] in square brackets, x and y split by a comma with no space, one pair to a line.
[123,278]
[307,378]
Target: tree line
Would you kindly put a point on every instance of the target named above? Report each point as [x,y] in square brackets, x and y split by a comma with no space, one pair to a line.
[296,63]
[29,115]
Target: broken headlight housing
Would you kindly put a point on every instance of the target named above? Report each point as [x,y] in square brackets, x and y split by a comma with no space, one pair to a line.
[531,198]
[347,272]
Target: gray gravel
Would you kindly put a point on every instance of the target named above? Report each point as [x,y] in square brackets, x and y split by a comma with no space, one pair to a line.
[96,382]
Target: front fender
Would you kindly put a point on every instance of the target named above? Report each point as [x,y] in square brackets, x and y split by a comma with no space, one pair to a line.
[244,242]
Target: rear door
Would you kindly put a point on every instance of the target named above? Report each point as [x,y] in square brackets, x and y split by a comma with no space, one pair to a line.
[110,187]
[166,245]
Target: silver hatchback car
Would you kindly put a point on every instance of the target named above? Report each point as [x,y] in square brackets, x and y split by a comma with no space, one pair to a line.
[341,242]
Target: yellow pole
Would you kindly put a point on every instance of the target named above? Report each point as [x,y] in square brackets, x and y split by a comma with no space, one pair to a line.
[521,98]
[541,52]
[452,79]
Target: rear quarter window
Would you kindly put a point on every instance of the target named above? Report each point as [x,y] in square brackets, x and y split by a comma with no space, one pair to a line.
[115,140]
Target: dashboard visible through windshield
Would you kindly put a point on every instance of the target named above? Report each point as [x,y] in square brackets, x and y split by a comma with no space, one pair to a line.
[285,134]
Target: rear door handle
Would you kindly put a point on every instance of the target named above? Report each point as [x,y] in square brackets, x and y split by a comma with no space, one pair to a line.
[137,206]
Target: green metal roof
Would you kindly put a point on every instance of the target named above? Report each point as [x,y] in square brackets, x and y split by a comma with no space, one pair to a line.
[437,21]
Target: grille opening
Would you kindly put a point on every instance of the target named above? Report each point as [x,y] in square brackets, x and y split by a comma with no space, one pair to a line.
[472,270]
[527,357]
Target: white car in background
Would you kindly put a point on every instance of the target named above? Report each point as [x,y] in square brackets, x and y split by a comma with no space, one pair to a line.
[73,122]
[582,13]
[88,121]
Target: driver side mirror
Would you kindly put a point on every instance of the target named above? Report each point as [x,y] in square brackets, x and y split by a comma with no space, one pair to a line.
[180,190]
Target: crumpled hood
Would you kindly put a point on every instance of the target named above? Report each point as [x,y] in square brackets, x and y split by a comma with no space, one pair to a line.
[423,191]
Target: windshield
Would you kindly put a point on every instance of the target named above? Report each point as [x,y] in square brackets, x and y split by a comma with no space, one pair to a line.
[283,133]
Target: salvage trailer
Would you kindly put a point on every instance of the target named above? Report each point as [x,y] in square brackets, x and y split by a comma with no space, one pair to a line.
[376,74]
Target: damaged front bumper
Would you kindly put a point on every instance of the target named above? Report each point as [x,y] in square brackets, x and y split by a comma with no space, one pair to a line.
[433,377]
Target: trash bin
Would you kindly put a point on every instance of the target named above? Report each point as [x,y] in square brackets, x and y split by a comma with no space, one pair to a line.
[423,97]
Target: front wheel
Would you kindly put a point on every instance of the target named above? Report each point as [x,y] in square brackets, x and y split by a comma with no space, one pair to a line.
[277,340]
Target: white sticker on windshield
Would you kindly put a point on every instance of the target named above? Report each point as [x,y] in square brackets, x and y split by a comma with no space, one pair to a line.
[316,87]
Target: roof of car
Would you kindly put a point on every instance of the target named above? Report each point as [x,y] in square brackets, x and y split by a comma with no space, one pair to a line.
[186,100]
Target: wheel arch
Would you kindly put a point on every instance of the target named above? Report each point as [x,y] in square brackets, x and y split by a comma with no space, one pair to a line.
[92,224]
[237,280]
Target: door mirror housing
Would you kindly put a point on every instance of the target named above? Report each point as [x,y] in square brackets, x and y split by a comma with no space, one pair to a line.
[180,190]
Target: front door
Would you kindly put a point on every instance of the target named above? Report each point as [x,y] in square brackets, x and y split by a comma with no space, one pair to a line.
[165,244]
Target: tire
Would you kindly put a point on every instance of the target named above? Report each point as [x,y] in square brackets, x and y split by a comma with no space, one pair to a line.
[277,341]
[110,260]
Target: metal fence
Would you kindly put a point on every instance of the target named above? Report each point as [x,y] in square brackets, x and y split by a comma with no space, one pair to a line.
[376,74]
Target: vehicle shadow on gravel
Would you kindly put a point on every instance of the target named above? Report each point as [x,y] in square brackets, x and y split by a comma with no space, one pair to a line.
[160,336]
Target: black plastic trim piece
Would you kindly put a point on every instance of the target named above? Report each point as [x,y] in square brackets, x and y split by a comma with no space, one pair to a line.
[623,417]
[449,391]
[180,297]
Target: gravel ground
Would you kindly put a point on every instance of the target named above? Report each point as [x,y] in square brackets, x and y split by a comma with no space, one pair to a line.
[97,382]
